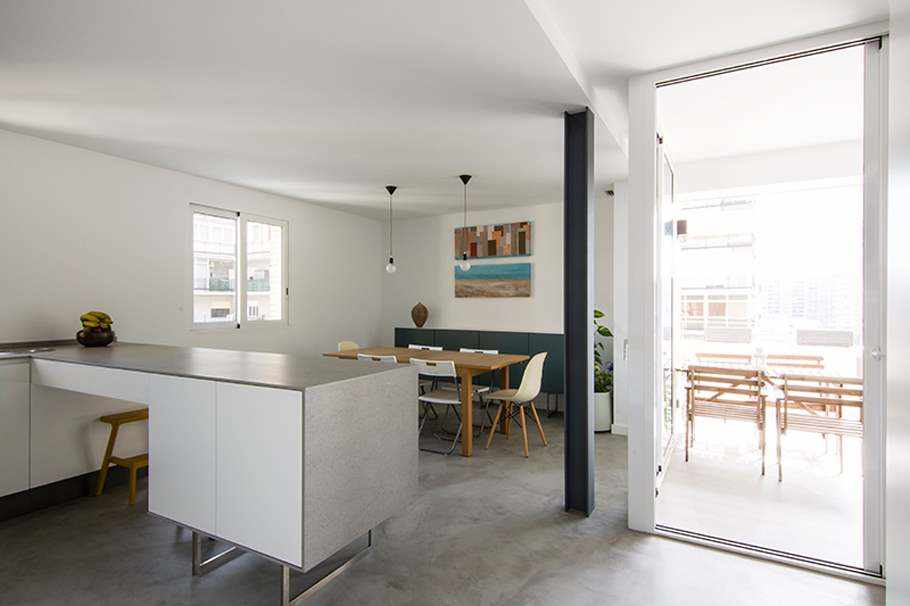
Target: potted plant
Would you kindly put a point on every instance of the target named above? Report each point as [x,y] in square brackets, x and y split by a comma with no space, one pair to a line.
[603,378]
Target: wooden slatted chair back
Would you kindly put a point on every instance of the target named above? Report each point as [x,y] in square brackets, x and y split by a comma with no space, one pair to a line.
[723,385]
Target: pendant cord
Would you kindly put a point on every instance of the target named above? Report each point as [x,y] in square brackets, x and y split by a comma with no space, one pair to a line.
[464,223]
[390,226]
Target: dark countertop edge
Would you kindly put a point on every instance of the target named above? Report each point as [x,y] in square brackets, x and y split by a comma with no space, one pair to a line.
[33,344]
[529,332]
[50,358]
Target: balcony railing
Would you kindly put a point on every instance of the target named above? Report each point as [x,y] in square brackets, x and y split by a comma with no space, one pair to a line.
[260,285]
[214,284]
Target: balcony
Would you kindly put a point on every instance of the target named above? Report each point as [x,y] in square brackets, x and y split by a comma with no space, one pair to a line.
[258,285]
[214,284]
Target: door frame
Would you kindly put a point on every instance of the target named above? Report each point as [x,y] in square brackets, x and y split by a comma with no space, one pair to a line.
[645,366]
[666,217]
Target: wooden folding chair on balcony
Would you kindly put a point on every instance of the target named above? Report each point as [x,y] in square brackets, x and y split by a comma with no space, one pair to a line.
[728,394]
[817,404]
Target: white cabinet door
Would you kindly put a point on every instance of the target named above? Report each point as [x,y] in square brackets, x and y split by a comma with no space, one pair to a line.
[260,469]
[182,450]
[14,429]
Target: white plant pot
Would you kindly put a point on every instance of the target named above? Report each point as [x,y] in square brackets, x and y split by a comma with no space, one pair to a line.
[603,411]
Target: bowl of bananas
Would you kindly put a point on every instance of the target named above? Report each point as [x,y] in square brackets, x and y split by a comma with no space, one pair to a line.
[96,329]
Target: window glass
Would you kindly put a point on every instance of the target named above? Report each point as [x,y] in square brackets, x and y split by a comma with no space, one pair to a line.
[264,257]
[214,268]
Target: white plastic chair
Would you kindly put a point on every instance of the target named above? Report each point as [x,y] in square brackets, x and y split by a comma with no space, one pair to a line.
[434,370]
[523,396]
[347,345]
[383,359]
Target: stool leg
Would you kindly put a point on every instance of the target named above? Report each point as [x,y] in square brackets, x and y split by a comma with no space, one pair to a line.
[106,462]
[134,469]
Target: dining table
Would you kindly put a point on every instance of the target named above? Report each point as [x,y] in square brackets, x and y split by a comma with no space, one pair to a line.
[467,365]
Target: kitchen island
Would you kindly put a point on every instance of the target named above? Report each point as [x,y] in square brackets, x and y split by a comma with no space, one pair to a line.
[293,458]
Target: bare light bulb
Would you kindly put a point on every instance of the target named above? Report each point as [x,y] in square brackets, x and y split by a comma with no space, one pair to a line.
[390,267]
[464,264]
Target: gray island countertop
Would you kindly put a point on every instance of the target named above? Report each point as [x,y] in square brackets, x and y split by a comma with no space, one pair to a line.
[282,371]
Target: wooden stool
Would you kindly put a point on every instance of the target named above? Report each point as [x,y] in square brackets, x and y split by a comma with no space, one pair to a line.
[134,463]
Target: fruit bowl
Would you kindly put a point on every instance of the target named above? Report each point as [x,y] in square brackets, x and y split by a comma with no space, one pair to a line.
[96,329]
[95,338]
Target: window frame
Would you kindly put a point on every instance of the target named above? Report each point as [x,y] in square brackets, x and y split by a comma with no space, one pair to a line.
[243,219]
[241,319]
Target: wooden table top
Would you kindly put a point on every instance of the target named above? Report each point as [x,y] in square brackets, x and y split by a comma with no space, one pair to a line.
[473,361]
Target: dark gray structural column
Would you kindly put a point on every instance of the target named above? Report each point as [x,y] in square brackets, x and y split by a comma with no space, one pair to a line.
[579,310]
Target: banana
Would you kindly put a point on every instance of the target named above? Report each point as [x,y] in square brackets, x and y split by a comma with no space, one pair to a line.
[96,318]
[90,324]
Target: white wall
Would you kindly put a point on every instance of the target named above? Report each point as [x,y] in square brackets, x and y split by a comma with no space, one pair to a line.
[897,517]
[620,316]
[424,254]
[83,230]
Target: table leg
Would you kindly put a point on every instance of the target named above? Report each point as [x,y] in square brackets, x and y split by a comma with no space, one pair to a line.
[467,413]
[504,384]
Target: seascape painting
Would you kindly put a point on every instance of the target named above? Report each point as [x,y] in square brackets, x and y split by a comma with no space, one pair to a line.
[503,280]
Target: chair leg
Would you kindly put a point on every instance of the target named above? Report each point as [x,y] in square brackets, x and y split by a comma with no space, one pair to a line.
[484,415]
[495,423]
[524,428]
[423,421]
[106,461]
[506,422]
[543,436]
[762,442]
[780,464]
[688,423]
[455,441]
[134,469]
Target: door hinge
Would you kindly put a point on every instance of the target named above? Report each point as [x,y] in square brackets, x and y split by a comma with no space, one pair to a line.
[660,468]
[656,492]
[660,139]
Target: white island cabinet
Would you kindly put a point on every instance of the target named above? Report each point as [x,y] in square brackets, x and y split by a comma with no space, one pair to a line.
[226,459]
[289,457]
[14,426]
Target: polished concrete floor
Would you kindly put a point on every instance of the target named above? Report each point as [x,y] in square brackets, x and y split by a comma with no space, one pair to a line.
[815,511]
[487,530]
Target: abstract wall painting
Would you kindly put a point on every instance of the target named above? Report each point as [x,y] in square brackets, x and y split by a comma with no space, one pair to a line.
[493,281]
[497,240]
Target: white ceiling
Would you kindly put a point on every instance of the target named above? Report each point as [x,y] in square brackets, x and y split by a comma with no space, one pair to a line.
[330,101]
[324,101]
[805,102]
[610,40]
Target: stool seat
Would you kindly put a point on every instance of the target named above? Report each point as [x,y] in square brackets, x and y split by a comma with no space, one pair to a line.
[141,460]
[129,416]
[133,463]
